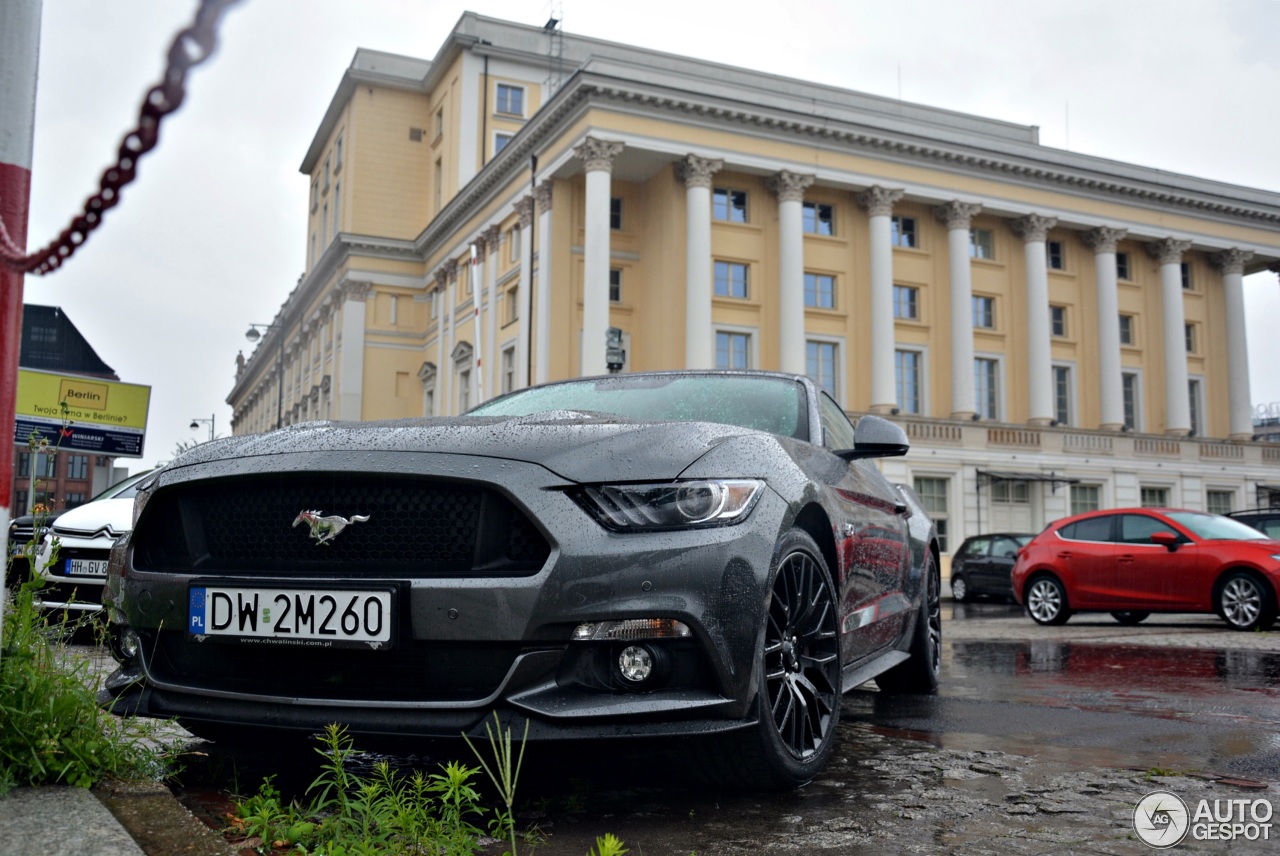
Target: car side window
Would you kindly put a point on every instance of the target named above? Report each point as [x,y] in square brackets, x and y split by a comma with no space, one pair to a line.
[1089,529]
[976,547]
[1138,528]
[837,430]
[1004,548]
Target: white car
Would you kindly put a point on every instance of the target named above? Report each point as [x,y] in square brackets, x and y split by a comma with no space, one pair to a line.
[74,577]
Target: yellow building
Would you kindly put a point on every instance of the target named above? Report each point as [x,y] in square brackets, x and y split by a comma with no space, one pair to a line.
[1056,331]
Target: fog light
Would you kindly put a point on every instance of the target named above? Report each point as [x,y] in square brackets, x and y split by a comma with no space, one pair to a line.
[635,664]
[124,644]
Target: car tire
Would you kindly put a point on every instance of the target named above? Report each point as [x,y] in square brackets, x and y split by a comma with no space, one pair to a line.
[960,589]
[799,679]
[1046,600]
[1246,602]
[1130,617]
[919,675]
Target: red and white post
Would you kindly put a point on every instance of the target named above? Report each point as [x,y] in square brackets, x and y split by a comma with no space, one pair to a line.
[19,65]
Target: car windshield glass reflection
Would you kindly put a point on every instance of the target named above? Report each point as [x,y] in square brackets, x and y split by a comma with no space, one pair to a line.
[1213,527]
[768,404]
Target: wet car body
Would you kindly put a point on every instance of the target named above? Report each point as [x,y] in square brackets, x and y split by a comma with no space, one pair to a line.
[505,551]
[1136,561]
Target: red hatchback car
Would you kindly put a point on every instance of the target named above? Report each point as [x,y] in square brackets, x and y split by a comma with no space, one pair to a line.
[1132,562]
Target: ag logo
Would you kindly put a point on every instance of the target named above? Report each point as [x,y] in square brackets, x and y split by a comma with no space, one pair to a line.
[1161,819]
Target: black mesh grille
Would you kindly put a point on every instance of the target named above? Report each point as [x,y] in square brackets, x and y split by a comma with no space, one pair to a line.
[415,528]
[417,671]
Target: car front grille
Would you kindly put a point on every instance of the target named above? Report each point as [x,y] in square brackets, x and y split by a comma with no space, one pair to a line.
[416,671]
[416,528]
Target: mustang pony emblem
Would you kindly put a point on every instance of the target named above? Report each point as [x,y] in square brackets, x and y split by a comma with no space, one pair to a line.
[325,529]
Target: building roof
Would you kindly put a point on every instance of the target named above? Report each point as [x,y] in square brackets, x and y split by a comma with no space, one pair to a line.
[51,342]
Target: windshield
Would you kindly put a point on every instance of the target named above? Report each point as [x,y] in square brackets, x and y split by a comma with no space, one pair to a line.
[1214,527]
[772,404]
[126,488]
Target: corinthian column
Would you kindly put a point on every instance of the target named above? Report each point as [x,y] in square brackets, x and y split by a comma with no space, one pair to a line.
[597,156]
[790,189]
[1033,230]
[1103,242]
[542,335]
[699,338]
[1177,403]
[878,202]
[524,293]
[1240,410]
[351,366]
[957,216]
[492,240]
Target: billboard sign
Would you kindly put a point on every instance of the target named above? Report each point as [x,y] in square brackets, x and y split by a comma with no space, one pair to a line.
[104,417]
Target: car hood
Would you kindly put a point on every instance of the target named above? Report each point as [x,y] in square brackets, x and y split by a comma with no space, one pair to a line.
[115,515]
[580,447]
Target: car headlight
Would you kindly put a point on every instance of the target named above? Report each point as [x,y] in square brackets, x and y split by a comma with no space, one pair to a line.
[672,505]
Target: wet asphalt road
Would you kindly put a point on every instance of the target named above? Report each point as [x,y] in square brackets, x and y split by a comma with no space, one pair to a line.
[1041,740]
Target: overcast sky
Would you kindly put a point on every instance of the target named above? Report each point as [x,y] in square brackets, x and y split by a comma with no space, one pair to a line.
[211,236]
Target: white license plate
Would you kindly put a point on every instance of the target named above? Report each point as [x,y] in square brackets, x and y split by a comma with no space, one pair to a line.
[319,617]
[85,567]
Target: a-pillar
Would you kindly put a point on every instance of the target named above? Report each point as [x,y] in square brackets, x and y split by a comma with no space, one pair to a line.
[699,337]
[1177,401]
[1103,241]
[1033,229]
[958,216]
[1239,407]
[542,310]
[351,366]
[597,156]
[878,202]
[789,188]
[524,293]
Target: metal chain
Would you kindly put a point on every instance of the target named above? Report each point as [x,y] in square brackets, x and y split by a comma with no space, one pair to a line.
[190,47]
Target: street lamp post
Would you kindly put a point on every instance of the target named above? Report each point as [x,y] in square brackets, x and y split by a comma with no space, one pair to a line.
[253,335]
[195,423]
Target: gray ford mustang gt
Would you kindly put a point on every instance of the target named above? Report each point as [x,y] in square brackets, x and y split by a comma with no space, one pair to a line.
[706,555]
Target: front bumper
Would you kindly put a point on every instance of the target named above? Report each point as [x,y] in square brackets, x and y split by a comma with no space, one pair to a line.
[466,646]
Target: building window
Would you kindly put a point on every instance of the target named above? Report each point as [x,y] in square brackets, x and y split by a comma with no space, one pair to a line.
[819,218]
[337,205]
[984,312]
[1189,335]
[1129,383]
[733,350]
[1126,330]
[337,154]
[1155,497]
[1185,270]
[24,465]
[1085,497]
[464,390]
[324,188]
[510,298]
[437,184]
[906,302]
[1220,501]
[78,467]
[933,496]
[74,499]
[982,244]
[500,141]
[315,194]
[729,205]
[435,305]
[1058,321]
[615,213]
[820,365]
[513,244]
[324,225]
[1010,492]
[1056,254]
[1062,395]
[615,285]
[440,122]
[508,379]
[730,279]
[820,290]
[510,99]
[1194,410]
[1122,266]
[907,380]
[986,387]
[902,232]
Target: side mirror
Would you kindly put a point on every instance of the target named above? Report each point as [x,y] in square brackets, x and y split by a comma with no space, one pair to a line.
[874,437]
[1165,539]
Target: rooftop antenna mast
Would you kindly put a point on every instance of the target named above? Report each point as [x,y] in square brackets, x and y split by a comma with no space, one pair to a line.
[555,47]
